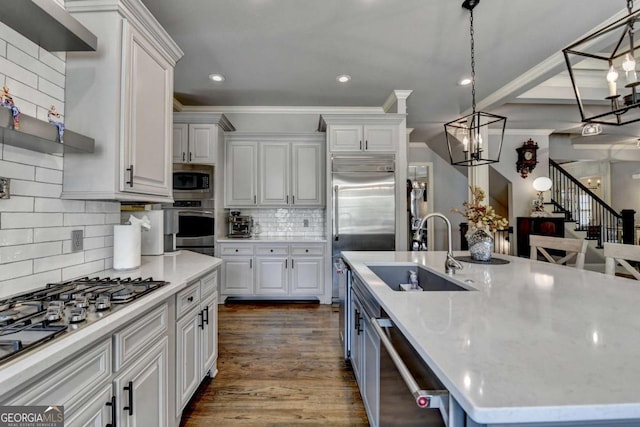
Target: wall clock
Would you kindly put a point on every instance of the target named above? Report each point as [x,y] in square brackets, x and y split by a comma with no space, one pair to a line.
[527,157]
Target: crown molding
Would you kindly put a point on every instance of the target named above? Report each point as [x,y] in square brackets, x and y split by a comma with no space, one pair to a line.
[248,109]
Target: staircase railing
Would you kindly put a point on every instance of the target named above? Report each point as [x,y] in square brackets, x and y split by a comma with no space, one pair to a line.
[582,206]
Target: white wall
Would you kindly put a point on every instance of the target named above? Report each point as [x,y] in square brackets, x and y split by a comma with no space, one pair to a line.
[35,224]
[625,192]
[450,190]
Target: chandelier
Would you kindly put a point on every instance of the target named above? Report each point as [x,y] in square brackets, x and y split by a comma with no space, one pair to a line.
[602,68]
[465,135]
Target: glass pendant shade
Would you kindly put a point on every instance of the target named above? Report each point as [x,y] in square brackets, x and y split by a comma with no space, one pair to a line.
[468,139]
[603,72]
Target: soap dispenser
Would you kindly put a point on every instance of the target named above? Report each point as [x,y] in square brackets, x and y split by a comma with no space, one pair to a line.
[413,279]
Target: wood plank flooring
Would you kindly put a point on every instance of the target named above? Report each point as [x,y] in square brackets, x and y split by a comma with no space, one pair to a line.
[279,365]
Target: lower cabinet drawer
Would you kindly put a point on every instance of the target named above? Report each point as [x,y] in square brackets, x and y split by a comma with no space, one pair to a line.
[187,299]
[209,284]
[70,384]
[246,249]
[272,250]
[133,339]
[307,250]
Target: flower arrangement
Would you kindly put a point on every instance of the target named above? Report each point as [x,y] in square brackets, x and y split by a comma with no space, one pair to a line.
[481,217]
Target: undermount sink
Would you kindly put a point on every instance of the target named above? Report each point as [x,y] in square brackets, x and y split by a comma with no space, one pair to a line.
[395,275]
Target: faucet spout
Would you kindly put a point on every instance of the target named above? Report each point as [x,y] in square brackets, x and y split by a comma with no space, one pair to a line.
[450,264]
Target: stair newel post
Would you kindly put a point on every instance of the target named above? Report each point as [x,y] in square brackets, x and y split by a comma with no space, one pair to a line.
[628,226]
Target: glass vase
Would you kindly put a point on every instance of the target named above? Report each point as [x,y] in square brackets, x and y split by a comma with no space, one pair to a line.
[480,244]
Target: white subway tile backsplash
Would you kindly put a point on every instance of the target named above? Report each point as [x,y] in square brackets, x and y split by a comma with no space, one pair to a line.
[286,222]
[28,283]
[52,176]
[28,157]
[95,254]
[102,207]
[98,230]
[30,220]
[16,237]
[38,189]
[23,252]
[22,73]
[38,68]
[57,262]
[17,204]
[50,234]
[83,219]
[58,205]
[16,269]
[16,171]
[35,224]
[13,37]
[83,269]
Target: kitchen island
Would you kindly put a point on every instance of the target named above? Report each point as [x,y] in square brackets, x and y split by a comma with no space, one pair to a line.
[530,342]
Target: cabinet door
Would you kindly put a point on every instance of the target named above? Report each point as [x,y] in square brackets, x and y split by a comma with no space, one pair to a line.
[180,142]
[203,143]
[380,137]
[307,174]
[188,369]
[345,138]
[147,120]
[241,174]
[357,338]
[94,412]
[306,275]
[209,342]
[146,394]
[238,276]
[371,373]
[274,173]
[271,276]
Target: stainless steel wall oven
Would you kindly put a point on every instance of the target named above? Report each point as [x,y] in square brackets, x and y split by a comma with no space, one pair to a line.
[196,227]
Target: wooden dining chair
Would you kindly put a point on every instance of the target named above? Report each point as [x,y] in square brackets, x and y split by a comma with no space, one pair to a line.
[617,253]
[573,247]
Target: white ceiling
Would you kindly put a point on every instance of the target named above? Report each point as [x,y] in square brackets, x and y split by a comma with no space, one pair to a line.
[289,52]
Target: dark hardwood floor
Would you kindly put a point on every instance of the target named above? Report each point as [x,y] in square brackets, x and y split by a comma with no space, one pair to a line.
[279,365]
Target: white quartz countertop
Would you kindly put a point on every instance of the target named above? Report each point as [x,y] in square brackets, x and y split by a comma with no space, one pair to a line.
[179,268]
[274,240]
[536,342]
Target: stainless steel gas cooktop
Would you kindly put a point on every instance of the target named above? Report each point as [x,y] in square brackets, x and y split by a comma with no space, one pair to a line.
[30,319]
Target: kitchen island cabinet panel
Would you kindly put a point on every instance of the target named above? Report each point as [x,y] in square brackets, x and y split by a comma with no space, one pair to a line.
[187,357]
[92,412]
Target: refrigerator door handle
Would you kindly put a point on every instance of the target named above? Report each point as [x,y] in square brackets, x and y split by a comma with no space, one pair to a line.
[336,189]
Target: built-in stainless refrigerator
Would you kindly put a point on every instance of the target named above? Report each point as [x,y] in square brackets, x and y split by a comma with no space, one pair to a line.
[363,213]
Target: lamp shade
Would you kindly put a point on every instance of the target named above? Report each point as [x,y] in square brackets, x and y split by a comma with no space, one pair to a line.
[542,184]
[603,72]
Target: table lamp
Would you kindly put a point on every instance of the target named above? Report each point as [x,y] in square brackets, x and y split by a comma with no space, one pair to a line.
[541,185]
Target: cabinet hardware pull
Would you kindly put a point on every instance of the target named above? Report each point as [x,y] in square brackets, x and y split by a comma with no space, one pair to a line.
[114,409]
[291,263]
[271,250]
[357,321]
[236,250]
[293,200]
[287,199]
[366,145]
[285,263]
[206,311]
[255,200]
[183,156]
[190,155]
[190,299]
[361,144]
[306,250]
[129,408]
[201,324]
[130,170]
[250,263]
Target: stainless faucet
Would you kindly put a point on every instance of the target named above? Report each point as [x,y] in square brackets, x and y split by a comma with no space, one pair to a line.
[450,264]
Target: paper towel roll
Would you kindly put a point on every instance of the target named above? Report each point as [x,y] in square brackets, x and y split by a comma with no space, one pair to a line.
[126,247]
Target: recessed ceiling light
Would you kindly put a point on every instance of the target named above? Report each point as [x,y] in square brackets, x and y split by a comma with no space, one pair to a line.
[216,77]
[465,81]
[343,78]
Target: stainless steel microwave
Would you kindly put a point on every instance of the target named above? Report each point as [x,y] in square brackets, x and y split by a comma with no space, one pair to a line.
[191,184]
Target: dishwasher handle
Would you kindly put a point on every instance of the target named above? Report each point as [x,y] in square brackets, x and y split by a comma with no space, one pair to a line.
[437,399]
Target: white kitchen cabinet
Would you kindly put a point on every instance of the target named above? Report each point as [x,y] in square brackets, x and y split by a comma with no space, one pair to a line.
[370,389]
[290,170]
[362,132]
[94,412]
[357,337]
[141,390]
[196,336]
[122,96]
[294,269]
[196,137]
[241,174]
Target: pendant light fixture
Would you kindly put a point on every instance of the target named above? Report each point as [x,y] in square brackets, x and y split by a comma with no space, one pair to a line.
[467,137]
[603,72]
